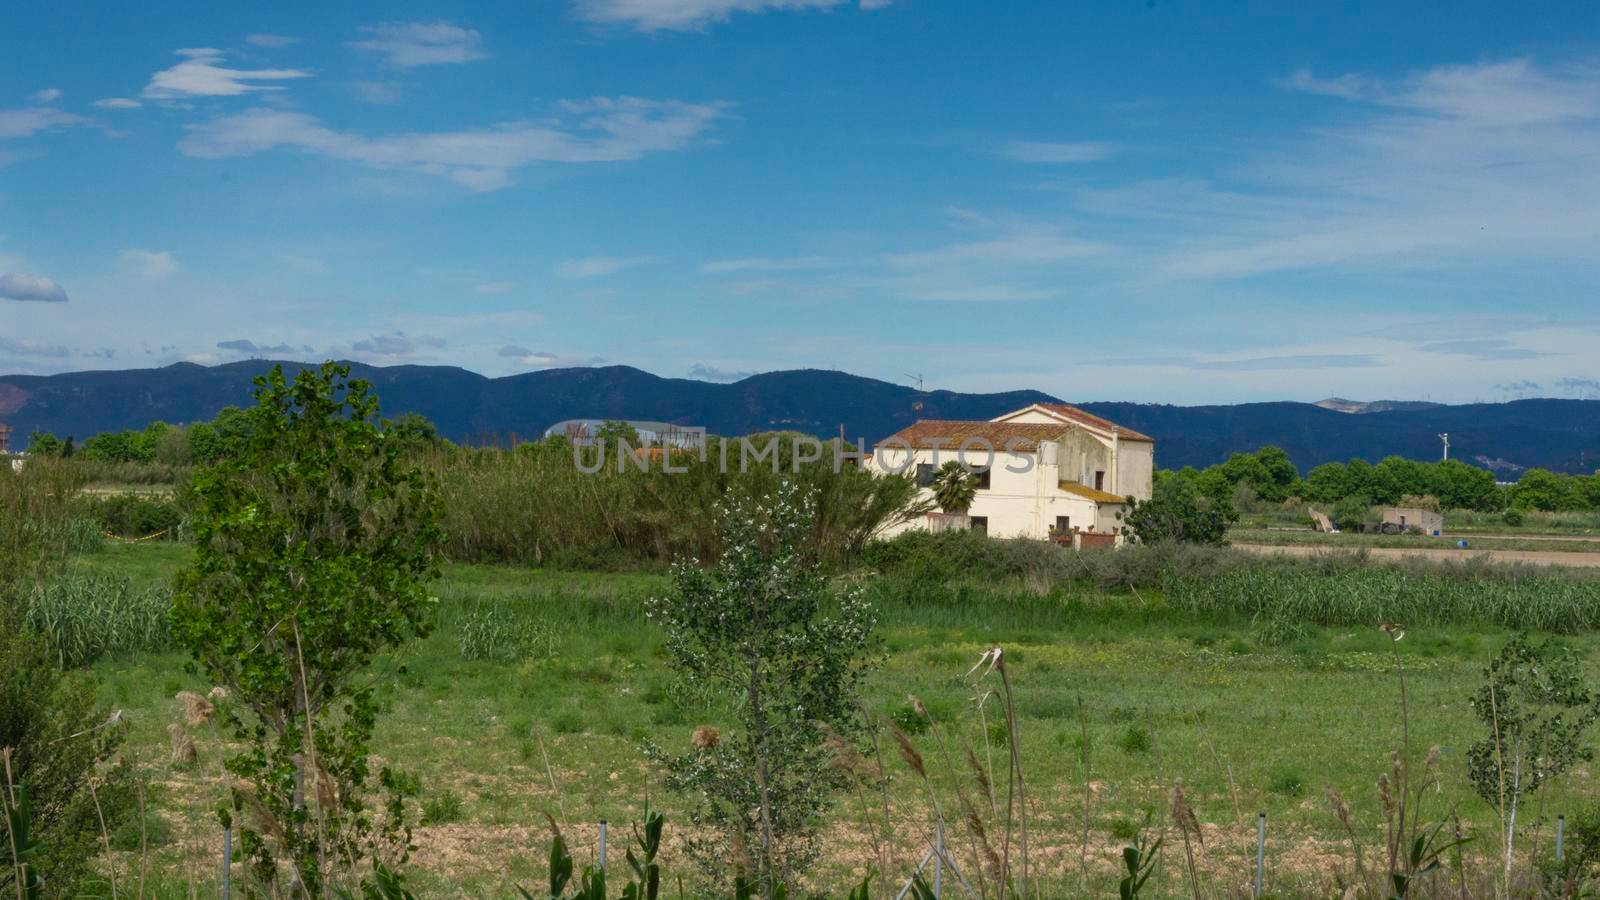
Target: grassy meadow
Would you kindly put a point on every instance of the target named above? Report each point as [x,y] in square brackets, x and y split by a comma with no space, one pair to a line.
[536,691]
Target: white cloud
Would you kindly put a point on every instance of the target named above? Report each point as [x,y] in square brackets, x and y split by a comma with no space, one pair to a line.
[25,287]
[201,74]
[117,103]
[538,359]
[1057,152]
[48,95]
[765,264]
[409,44]
[30,120]
[251,348]
[149,264]
[598,130]
[1452,165]
[1019,245]
[273,41]
[496,287]
[654,15]
[597,266]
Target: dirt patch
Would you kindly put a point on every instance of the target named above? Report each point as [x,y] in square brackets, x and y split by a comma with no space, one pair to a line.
[1534,557]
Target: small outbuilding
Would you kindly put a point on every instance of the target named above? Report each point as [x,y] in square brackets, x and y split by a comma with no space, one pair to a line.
[1411,520]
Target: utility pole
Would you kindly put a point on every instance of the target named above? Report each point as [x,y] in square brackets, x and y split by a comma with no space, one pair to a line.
[1446,438]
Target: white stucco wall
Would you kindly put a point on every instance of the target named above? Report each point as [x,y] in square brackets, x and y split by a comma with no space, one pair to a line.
[1016,503]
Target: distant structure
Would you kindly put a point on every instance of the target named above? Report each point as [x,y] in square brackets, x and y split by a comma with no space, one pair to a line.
[1411,520]
[5,438]
[653,434]
[1056,472]
[1446,438]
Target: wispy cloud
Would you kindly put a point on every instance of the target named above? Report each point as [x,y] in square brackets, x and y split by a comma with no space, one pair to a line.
[202,74]
[1277,363]
[271,41]
[539,359]
[14,347]
[118,103]
[411,44]
[396,344]
[495,288]
[656,15]
[23,287]
[1482,162]
[587,131]
[149,264]
[765,264]
[703,372]
[1057,152]
[36,117]
[1481,348]
[251,348]
[598,266]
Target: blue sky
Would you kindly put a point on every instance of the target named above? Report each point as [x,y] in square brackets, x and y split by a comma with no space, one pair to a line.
[1160,201]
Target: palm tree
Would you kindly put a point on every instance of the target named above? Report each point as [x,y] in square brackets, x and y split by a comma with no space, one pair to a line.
[954,488]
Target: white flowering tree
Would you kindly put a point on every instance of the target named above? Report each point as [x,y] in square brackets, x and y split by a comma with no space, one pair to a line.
[764,630]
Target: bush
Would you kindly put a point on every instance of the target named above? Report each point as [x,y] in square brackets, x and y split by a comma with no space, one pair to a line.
[1178,511]
[132,515]
[1514,517]
[1351,513]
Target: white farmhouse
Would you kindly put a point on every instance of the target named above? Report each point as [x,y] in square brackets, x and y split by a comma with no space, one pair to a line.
[1045,470]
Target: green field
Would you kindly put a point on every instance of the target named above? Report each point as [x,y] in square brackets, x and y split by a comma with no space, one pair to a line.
[1351,541]
[1120,697]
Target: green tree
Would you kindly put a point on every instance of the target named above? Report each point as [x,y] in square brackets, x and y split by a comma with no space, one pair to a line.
[1541,489]
[314,550]
[1178,511]
[43,443]
[1537,709]
[763,628]
[954,488]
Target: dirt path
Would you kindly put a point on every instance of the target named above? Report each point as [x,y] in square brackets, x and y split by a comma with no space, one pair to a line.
[1537,557]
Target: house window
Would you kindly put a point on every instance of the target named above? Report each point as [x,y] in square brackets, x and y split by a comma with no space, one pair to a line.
[1099,479]
[1063,524]
[980,524]
[983,479]
[924,474]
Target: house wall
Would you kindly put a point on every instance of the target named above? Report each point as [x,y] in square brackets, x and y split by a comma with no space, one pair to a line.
[1016,503]
[1136,463]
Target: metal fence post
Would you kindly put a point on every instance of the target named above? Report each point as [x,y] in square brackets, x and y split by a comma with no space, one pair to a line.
[602,845]
[938,859]
[227,863]
[1261,850]
[1561,822]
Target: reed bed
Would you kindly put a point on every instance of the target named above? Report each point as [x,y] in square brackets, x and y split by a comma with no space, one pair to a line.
[84,618]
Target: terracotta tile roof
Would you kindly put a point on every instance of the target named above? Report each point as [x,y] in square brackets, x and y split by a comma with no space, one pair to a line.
[949,434]
[1075,414]
[1089,493]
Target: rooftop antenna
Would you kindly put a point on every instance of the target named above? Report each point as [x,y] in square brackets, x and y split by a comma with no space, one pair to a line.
[1446,438]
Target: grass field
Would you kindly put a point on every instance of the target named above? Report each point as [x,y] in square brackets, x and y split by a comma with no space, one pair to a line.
[1502,540]
[1119,695]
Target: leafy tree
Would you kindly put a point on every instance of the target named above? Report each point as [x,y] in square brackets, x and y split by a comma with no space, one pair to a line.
[1351,512]
[314,548]
[1178,511]
[1542,489]
[1537,710]
[43,443]
[612,431]
[754,628]
[954,488]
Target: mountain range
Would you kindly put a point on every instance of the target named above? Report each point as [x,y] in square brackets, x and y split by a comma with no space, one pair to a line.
[1563,435]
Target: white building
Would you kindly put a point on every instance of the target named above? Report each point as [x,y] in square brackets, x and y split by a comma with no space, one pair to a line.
[1045,469]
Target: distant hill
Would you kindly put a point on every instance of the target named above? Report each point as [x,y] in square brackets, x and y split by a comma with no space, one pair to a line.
[1563,435]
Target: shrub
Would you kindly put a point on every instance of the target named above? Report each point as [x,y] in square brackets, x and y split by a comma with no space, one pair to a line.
[1136,739]
[1514,517]
[499,634]
[1351,513]
[1178,511]
[132,515]
[442,809]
